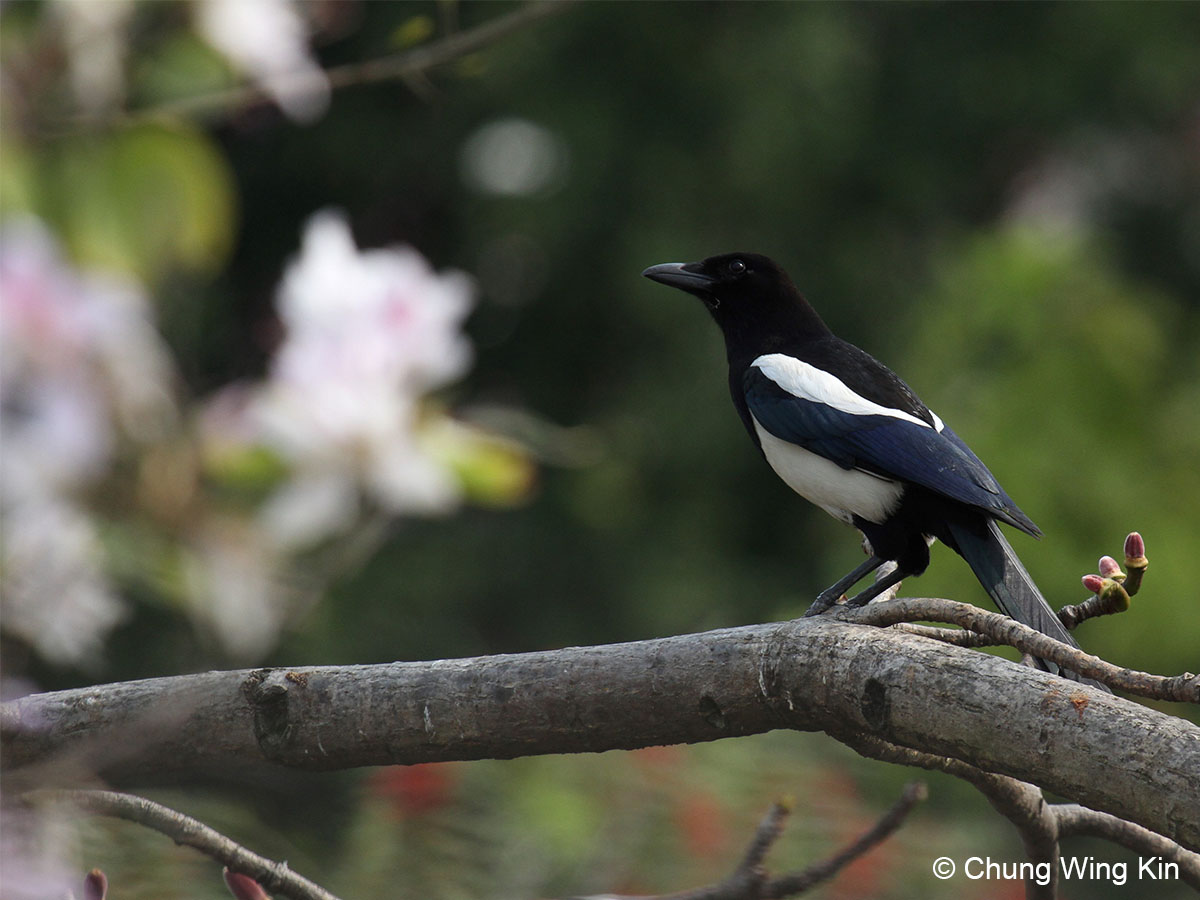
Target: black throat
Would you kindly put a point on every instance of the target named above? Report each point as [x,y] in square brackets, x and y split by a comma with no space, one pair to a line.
[781,327]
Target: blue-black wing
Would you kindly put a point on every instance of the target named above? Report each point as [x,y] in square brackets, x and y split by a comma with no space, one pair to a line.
[881,444]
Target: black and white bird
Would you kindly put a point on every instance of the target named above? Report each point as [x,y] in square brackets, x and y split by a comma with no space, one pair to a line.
[843,431]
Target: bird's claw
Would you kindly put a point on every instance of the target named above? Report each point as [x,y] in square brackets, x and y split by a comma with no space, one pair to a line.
[823,602]
[860,600]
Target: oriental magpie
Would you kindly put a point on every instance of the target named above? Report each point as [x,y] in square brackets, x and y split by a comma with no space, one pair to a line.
[843,431]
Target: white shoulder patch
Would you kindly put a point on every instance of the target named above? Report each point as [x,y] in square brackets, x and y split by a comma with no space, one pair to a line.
[807,382]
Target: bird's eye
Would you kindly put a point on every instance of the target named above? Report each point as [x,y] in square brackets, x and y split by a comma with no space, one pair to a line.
[736,267]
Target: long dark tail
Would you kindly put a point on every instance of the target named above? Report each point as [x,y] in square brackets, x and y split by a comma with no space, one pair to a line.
[998,569]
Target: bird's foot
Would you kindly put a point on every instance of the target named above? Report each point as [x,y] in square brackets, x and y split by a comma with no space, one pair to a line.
[886,584]
[861,599]
[832,594]
[824,601]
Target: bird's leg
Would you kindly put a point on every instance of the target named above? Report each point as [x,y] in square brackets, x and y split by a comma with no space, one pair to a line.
[830,595]
[891,579]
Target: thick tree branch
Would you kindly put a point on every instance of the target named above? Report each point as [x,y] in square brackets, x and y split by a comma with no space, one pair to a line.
[274,876]
[1099,750]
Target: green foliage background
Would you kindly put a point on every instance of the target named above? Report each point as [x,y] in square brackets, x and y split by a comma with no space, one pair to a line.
[878,152]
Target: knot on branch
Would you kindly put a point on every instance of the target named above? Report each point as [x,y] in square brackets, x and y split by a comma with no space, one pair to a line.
[876,706]
[267,692]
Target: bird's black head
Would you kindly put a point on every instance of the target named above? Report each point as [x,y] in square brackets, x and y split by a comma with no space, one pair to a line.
[748,294]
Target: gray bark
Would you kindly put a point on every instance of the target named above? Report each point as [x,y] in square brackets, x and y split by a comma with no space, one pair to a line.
[813,674]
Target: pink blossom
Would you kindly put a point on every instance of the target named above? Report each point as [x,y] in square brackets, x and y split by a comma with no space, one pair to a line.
[80,363]
[79,360]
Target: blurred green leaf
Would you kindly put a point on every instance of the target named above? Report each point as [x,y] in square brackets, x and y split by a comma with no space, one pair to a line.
[145,201]
[247,472]
[18,185]
[491,470]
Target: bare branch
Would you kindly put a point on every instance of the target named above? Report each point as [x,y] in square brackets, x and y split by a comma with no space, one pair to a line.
[1102,604]
[1071,616]
[750,882]
[1019,802]
[789,885]
[959,637]
[274,876]
[1183,688]
[1074,819]
[409,67]
[1041,826]
[765,836]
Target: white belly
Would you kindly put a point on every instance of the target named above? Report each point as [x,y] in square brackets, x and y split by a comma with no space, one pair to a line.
[840,492]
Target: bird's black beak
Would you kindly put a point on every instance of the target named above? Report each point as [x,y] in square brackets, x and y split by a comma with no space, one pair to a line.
[685,276]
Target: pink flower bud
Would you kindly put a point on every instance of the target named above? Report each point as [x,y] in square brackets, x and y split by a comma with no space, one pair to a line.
[95,885]
[1135,547]
[1109,567]
[244,887]
[1093,583]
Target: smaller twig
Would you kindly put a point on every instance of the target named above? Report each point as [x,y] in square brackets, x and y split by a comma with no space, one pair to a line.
[1104,604]
[1019,802]
[1137,566]
[959,637]
[765,836]
[747,881]
[274,876]
[1183,688]
[1071,615]
[1042,826]
[750,882]
[1074,819]
[789,885]
[409,67]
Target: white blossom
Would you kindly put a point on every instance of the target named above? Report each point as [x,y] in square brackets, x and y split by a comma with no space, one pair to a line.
[55,590]
[368,333]
[268,40]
